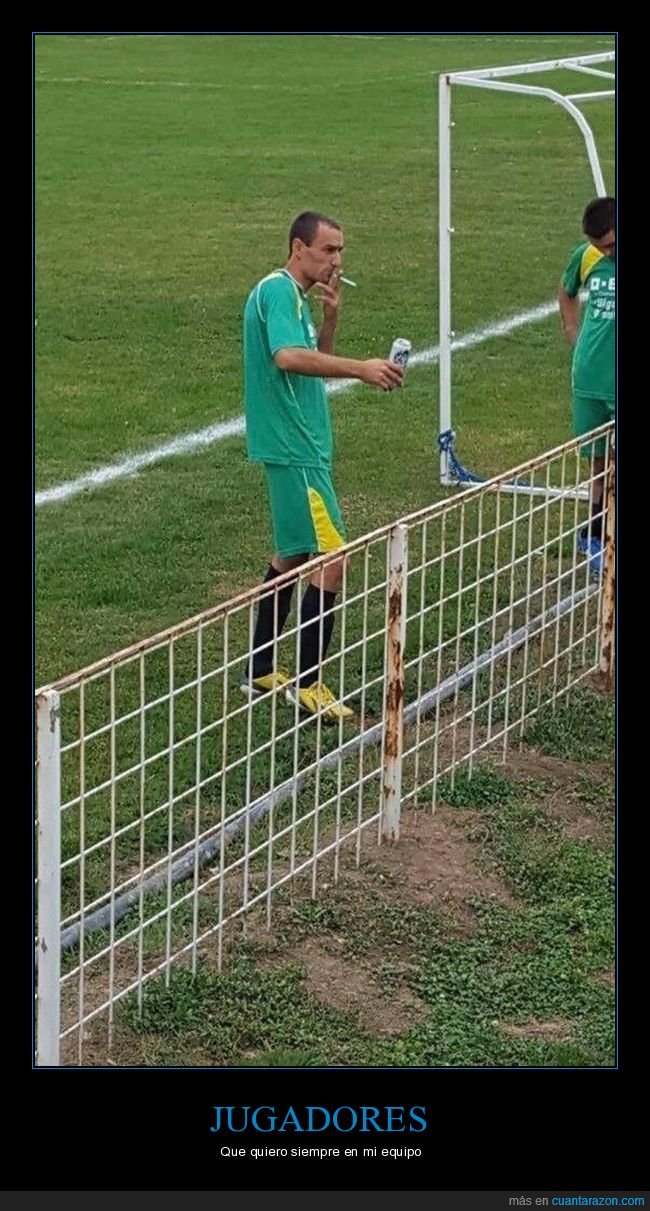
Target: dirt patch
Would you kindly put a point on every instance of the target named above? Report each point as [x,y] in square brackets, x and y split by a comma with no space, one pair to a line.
[561,801]
[434,862]
[557,1029]
[568,808]
[531,763]
[346,984]
[582,829]
[603,683]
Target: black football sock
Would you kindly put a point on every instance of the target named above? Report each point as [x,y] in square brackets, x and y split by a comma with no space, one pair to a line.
[265,627]
[310,631]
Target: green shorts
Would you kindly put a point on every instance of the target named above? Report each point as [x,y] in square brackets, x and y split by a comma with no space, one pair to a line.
[588,413]
[304,510]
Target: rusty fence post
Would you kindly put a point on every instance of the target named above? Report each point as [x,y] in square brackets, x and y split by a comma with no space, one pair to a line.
[394,702]
[608,618]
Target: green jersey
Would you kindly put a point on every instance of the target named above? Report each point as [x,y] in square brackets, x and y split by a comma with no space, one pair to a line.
[594,354]
[287,414]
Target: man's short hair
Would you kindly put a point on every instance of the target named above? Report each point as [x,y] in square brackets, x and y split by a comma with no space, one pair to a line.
[599,218]
[305,226]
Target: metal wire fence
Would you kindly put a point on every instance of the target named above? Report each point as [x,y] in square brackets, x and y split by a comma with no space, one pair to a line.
[169,804]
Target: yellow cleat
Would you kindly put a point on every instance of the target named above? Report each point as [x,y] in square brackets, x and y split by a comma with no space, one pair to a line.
[318,699]
[275,680]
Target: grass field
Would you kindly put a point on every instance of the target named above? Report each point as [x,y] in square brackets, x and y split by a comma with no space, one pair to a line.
[168,169]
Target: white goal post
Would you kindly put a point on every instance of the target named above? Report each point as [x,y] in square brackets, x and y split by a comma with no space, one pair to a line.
[451,472]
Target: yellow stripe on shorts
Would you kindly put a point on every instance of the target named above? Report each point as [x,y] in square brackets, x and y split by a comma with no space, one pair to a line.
[327,535]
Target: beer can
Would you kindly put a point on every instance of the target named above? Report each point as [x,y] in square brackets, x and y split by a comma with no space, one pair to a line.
[399,352]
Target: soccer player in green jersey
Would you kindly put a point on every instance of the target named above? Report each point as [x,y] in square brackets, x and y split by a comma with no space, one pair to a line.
[593,379]
[288,430]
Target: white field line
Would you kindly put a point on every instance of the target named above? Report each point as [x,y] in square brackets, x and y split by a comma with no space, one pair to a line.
[190,442]
[245,85]
[220,86]
[467,38]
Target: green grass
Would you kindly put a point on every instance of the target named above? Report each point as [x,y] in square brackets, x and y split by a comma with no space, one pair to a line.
[581,728]
[168,169]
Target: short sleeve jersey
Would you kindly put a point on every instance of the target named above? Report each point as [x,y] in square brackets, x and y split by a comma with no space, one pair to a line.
[594,354]
[287,415]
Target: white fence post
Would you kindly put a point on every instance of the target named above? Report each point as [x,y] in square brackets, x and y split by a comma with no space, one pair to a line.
[394,702]
[48,948]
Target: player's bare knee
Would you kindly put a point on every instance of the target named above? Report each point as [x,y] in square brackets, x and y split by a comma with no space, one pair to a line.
[330,575]
[286,563]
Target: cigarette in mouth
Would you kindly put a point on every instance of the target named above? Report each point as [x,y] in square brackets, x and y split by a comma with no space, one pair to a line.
[348,281]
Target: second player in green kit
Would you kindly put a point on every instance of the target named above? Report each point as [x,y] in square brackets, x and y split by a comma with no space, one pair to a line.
[592,332]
